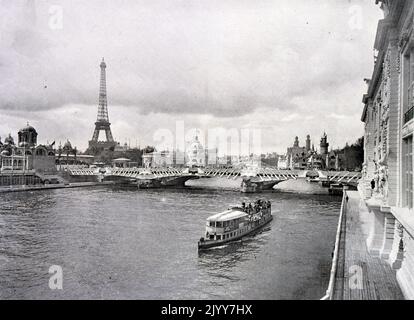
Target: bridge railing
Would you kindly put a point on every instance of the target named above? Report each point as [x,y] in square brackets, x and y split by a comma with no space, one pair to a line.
[229,173]
[332,278]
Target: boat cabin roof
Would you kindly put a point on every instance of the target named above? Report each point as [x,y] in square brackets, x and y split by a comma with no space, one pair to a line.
[230,214]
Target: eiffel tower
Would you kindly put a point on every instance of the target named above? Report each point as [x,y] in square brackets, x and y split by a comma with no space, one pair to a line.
[102,122]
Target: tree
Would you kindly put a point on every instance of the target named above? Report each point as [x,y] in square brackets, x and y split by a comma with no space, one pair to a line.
[352,155]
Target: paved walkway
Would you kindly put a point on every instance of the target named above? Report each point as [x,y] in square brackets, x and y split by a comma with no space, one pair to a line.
[359,275]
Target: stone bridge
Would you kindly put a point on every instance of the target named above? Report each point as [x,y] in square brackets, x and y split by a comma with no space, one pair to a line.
[253,179]
[258,179]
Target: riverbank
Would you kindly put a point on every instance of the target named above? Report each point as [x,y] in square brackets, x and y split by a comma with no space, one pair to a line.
[22,188]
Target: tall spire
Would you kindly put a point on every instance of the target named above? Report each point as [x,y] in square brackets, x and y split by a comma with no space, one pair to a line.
[103,101]
[102,121]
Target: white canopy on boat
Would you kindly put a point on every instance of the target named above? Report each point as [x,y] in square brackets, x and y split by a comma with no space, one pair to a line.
[227,215]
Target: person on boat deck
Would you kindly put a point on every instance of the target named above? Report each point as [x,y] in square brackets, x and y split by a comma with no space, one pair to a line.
[244,206]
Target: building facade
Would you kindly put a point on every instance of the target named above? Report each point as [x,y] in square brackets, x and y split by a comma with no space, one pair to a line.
[387,183]
[296,156]
[303,158]
[194,155]
[26,154]
[26,162]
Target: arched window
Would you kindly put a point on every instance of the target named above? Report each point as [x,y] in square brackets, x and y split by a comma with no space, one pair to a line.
[40,152]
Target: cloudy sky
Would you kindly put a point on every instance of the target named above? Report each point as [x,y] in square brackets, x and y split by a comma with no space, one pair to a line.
[286,67]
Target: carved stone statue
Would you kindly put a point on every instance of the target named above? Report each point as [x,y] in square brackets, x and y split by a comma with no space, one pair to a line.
[376,177]
[383,181]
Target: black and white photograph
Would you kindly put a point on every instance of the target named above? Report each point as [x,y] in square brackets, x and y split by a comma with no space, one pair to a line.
[206,150]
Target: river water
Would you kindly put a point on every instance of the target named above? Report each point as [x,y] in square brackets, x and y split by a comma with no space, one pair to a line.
[116,243]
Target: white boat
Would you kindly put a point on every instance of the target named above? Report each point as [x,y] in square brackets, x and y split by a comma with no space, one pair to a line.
[235,223]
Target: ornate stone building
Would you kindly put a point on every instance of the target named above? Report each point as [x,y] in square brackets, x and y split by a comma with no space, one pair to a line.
[296,156]
[387,183]
[26,162]
[324,145]
[307,158]
[196,154]
[27,154]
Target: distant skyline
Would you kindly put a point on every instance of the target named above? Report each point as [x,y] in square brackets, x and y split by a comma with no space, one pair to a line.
[289,68]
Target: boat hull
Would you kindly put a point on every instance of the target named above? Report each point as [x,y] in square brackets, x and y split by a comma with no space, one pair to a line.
[207,244]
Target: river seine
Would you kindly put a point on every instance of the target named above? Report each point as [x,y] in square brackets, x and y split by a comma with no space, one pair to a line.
[116,243]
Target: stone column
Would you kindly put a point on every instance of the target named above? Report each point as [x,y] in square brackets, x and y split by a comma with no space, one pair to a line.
[405,276]
[388,234]
[397,251]
[393,97]
[375,238]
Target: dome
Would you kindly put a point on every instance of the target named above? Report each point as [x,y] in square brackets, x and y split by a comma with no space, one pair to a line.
[27,136]
[9,140]
[67,145]
[27,128]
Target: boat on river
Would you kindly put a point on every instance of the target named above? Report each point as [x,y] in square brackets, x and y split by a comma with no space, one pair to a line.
[235,223]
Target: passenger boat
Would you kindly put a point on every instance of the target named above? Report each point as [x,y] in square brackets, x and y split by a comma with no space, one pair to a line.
[235,223]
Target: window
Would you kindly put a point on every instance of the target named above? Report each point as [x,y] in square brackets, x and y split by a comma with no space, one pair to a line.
[40,152]
[408,85]
[218,237]
[408,172]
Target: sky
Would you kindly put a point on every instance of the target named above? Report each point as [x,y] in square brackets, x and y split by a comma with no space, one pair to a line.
[286,68]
